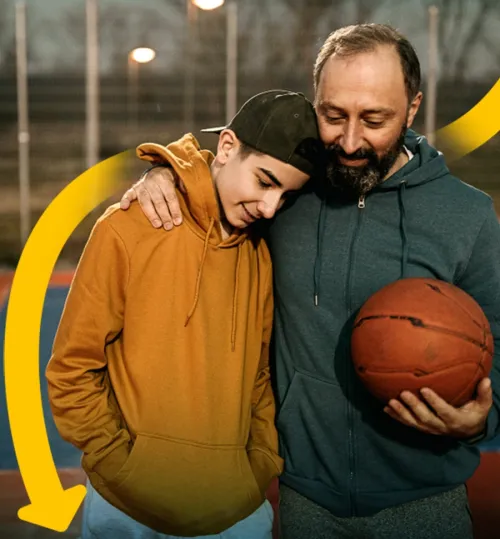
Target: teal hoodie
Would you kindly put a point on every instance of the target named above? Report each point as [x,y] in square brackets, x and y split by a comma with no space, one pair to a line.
[330,254]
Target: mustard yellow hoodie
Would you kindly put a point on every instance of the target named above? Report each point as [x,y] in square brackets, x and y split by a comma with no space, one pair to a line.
[159,372]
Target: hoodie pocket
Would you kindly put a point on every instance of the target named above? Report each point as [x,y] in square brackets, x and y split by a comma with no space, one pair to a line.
[190,486]
[311,426]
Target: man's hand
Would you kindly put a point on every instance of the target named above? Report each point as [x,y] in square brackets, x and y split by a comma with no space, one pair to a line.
[156,194]
[440,417]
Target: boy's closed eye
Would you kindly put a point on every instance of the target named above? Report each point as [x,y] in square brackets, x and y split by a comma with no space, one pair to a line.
[263,183]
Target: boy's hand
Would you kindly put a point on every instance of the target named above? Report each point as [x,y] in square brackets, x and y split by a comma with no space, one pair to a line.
[156,194]
[434,415]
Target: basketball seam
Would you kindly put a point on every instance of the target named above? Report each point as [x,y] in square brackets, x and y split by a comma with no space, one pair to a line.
[422,325]
[399,370]
[461,392]
[483,329]
[460,306]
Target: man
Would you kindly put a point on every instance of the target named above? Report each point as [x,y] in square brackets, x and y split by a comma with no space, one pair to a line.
[174,413]
[390,209]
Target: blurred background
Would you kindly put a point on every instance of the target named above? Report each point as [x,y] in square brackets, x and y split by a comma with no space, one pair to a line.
[206,63]
[81,80]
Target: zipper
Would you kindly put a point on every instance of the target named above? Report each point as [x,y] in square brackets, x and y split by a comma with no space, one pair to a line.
[350,434]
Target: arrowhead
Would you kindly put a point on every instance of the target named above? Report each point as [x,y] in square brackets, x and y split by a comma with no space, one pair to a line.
[56,512]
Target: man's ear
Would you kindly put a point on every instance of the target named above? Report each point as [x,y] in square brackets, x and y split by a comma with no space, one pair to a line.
[413,108]
[228,145]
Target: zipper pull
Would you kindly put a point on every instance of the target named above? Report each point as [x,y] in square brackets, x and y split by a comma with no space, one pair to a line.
[361,202]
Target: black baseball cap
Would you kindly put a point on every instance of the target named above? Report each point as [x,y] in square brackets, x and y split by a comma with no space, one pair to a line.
[281,124]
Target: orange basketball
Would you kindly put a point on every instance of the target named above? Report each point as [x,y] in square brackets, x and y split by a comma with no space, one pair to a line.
[418,333]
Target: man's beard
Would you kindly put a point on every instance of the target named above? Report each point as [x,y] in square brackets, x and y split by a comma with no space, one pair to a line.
[357,181]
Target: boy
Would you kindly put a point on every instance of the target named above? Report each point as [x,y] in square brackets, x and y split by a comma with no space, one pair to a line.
[175,414]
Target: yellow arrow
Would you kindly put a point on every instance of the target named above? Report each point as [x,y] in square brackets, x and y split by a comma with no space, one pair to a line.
[473,129]
[51,506]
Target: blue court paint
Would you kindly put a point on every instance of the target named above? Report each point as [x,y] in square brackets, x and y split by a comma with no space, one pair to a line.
[65,455]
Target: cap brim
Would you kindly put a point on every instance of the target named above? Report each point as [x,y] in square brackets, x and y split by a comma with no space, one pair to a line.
[214,129]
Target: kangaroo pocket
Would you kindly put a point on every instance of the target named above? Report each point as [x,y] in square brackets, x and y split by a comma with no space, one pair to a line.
[195,489]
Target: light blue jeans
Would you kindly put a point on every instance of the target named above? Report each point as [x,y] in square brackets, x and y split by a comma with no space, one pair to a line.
[101,520]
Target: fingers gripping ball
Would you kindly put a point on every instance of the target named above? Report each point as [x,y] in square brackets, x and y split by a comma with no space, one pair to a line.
[418,333]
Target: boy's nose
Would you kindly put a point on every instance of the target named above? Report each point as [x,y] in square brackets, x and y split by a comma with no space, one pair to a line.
[269,205]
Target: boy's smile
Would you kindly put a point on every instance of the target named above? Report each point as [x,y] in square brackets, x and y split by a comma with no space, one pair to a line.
[248,217]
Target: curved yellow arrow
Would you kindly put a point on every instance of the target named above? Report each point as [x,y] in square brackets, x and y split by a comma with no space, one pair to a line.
[473,129]
[51,506]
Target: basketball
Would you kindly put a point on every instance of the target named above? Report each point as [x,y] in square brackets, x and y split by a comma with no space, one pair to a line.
[420,332]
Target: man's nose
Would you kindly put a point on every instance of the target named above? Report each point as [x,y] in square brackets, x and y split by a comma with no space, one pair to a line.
[351,139]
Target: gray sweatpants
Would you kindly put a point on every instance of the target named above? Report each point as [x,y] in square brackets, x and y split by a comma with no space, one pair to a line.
[444,516]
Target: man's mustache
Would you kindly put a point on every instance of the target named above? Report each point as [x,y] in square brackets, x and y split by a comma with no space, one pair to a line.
[337,151]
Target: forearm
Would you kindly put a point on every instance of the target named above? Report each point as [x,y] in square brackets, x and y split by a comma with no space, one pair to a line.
[82,403]
[262,446]
[481,279]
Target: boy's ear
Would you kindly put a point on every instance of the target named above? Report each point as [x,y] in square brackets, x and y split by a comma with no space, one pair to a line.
[228,144]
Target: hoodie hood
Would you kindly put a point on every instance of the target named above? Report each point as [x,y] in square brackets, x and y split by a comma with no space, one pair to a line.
[426,165]
[200,205]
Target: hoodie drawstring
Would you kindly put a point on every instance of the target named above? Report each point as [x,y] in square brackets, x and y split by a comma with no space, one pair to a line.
[406,247]
[200,271]
[319,250]
[321,231]
[198,284]
[235,299]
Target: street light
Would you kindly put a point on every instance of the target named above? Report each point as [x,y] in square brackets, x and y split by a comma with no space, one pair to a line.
[208,4]
[190,50]
[92,111]
[231,50]
[431,95]
[143,55]
[23,120]
[139,55]
[231,59]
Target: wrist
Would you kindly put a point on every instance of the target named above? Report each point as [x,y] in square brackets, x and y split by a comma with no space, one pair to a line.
[153,166]
[108,467]
[475,436]
[265,466]
[474,439]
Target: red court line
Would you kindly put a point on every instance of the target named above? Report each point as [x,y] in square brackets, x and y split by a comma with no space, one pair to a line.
[5,282]
[484,497]
[58,278]
[61,278]
[13,496]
